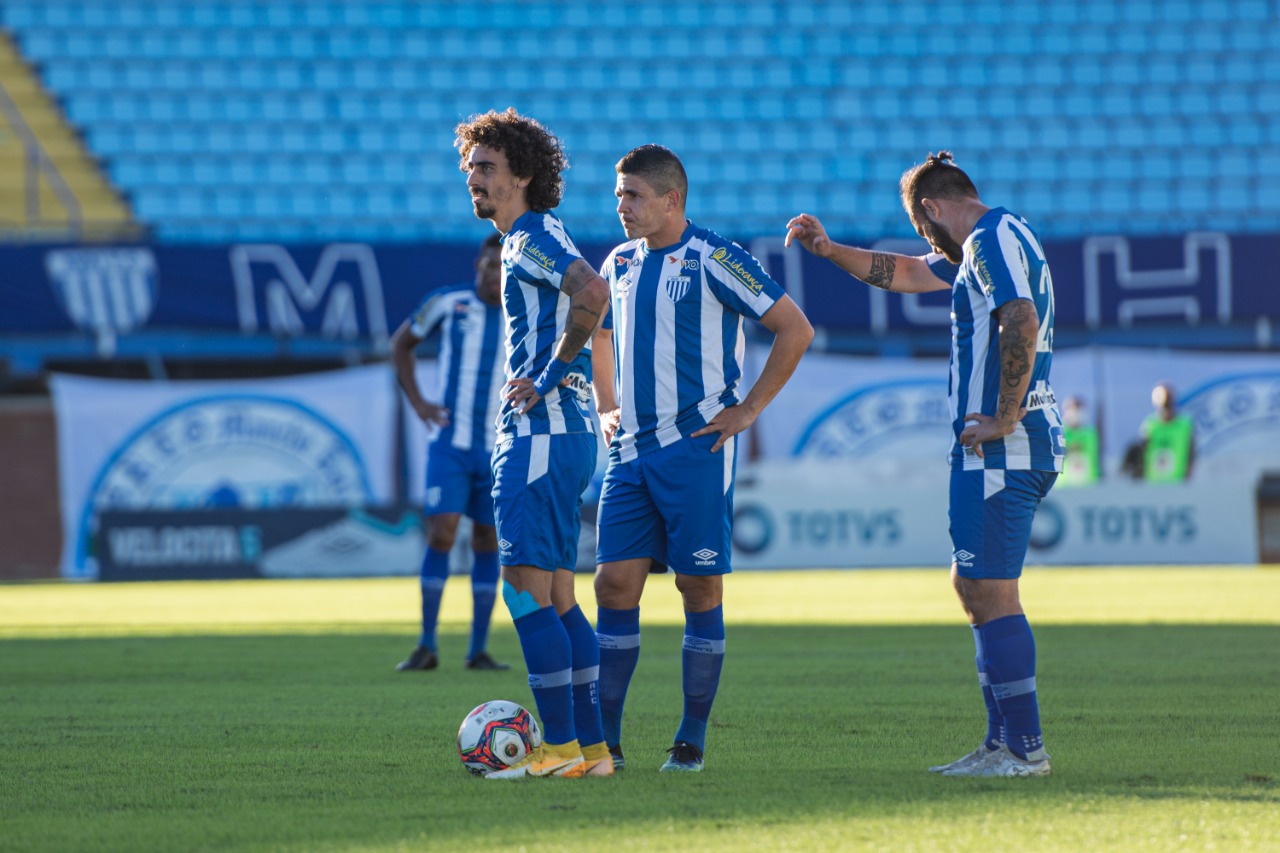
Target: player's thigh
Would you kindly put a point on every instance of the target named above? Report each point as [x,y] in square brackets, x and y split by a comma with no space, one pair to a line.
[448,479]
[480,502]
[693,490]
[991,512]
[537,492]
[628,525]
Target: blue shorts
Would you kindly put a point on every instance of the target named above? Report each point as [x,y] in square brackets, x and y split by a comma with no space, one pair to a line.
[538,482]
[991,514]
[673,505]
[459,481]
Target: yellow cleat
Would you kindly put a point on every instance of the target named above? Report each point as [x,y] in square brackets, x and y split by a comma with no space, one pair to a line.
[550,759]
[598,760]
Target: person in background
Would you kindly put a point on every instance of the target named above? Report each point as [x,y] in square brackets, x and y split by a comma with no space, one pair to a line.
[1168,439]
[1081,466]
[459,478]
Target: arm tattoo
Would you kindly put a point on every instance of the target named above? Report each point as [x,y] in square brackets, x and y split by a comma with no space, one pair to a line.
[882,266]
[1017,356]
[583,316]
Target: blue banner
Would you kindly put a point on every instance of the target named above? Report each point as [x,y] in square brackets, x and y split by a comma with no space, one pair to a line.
[361,292]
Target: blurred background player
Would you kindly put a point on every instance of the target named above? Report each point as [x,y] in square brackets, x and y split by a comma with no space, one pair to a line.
[1008,433]
[667,365]
[552,302]
[1082,464]
[459,474]
[1168,439]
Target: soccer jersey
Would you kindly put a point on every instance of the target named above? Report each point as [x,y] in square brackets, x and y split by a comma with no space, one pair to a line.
[536,252]
[678,340]
[1003,260]
[469,366]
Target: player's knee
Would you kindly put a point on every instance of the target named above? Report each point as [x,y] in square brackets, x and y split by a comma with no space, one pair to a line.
[484,537]
[700,593]
[442,530]
[519,603]
[617,588]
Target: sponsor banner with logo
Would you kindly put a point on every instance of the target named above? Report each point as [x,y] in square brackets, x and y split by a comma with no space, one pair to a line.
[320,440]
[250,543]
[802,515]
[891,414]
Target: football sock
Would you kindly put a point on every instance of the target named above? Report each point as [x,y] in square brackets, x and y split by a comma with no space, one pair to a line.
[702,658]
[995,722]
[435,571]
[549,660]
[484,591]
[1010,654]
[585,652]
[618,632]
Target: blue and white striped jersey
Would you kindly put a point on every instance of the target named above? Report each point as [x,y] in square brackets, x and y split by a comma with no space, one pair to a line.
[1003,260]
[470,370]
[535,254]
[678,342]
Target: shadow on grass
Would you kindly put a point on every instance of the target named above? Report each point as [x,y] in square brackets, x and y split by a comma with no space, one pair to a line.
[316,742]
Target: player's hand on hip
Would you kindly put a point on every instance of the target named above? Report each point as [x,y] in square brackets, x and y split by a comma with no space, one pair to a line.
[609,423]
[810,233]
[430,413]
[521,394]
[984,428]
[728,423]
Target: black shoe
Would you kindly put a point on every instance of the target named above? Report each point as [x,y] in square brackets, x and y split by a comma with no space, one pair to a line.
[683,758]
[483,661]
[615,752]
[422,658]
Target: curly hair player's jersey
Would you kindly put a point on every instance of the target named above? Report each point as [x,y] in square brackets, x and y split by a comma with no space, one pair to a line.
[678,341]
[536,252]
[469,368]
[1003,260]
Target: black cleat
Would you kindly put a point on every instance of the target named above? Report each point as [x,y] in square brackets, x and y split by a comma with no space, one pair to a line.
[483,661]
[684,757]
[421,658]
[615,752]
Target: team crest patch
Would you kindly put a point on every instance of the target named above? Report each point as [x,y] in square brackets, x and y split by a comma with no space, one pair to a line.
[677,286]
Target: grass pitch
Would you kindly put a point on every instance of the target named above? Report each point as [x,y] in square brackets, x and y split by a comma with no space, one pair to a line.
[268,716]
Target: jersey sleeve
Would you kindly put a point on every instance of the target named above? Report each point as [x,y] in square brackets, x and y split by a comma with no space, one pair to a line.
[739,282]
[1002,266]
[428,314]
[546,254]
[941,267]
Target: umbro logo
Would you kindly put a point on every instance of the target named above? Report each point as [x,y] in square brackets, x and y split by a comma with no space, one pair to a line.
[963,557]
[706,557]
[504,544]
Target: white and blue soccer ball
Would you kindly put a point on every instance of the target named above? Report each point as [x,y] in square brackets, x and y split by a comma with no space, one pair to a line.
[496,735]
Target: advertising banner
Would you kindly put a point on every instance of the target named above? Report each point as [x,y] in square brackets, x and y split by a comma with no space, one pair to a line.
[320,440]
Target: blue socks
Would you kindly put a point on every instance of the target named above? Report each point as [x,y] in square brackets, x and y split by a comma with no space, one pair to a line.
[995,722]
[585,653]
[703,657]
[1010,657]
[549,658]
[484,591]
[434,573]
[618,632]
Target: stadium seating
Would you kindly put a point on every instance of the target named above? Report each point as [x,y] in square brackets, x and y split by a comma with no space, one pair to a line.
[250,119]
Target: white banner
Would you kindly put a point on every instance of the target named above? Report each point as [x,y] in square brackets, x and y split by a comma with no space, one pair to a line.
[301,441]
[798,515]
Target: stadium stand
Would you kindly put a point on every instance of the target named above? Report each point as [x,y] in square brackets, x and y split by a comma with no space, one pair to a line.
[321,120]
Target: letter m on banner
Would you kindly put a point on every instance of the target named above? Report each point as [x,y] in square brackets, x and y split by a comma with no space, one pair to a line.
[342,298]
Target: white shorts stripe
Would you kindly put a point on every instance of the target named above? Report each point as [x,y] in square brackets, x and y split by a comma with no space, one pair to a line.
[539,457]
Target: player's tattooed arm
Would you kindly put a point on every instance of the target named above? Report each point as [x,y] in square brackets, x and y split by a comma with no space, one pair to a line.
[1018,328]
[882,267]
[588,298]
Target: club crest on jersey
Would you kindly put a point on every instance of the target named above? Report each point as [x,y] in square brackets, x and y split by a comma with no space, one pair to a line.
[677,286]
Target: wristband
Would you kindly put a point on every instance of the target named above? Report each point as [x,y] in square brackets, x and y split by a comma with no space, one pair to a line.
[551,376]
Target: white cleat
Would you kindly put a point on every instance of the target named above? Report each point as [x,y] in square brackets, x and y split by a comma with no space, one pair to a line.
[1003,763]
[977,755]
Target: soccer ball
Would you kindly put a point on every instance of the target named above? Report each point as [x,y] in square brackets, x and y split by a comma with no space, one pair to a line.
[496,735]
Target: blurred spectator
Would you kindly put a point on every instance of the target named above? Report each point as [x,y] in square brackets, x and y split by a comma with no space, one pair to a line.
[1081,465]
[1166,447]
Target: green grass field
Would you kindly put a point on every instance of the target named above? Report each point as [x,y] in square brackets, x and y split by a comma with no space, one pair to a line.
[268,716]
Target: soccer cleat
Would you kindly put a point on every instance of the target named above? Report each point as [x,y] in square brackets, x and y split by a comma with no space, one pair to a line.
[1002,762]
[599,766]
[965,760]
[615,752]
[483,660]
[421,658]
[683,758]
[550,759]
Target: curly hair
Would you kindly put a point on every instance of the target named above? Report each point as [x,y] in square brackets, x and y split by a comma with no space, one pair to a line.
[532,152]
[937,177]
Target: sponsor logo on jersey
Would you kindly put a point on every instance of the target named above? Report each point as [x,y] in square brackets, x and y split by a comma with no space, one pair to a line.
[1039,398]
[538,256]
[685,263]
[620,260]
[737,270]
[578,384]
[677,286]
[980,266]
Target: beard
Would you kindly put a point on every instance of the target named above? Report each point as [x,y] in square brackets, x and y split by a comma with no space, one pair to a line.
[941,240]
[484,208]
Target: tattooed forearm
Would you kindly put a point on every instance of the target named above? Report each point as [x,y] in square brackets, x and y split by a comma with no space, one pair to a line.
[588,298]
[882,266]
[1018,327]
